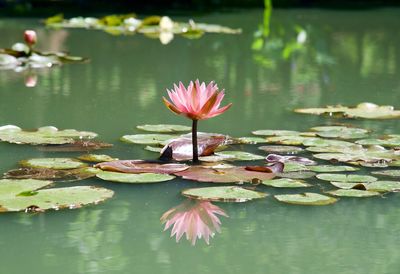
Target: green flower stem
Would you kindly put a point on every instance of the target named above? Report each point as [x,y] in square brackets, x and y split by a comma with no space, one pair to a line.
[194,142]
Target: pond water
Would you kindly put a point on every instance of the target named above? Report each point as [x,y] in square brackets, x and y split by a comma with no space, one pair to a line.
[310,58]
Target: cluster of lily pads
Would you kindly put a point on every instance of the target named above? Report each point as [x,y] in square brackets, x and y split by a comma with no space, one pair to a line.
[161,27]
[21,57]
[286,159]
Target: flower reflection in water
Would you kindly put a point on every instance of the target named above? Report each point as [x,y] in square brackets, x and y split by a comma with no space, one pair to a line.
[198,219]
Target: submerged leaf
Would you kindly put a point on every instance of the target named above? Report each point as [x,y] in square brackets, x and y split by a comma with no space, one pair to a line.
[223,194]
[306,199]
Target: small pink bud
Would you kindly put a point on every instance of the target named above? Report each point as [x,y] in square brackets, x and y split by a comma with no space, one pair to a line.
[30,37]
[31,81]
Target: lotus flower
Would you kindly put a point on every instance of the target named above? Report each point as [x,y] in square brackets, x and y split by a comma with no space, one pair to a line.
[197,102]
[30,37]
[196,219]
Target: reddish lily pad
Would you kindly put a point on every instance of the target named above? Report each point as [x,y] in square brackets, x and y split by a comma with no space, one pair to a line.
[223,194]
[226,175]
[139,166]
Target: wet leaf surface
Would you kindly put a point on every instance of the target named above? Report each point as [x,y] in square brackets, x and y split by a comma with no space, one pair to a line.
[296,175]
[306,199]
[223,194]
[340,132]
[334,177]
[139,166]
[384,186]
[249,140]
[140,178]
[281,149]
[356,193]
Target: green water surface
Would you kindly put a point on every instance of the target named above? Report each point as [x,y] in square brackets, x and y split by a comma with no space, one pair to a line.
[345,57]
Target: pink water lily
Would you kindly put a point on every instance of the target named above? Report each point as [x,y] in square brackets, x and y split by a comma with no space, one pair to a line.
[196,219]
[196,102]
[30,37]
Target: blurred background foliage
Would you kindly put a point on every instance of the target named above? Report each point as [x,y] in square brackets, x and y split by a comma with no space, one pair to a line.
[73,7]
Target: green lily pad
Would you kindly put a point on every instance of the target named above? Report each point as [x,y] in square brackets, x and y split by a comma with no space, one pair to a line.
[384,186]
[270,132]
[76,146]
[306,199]
[53,163]
[330,168]
[42,136]
[223,194]
[353,193]
[294,167]
[347,185]
[390,142]
[53,198]
[340,132]
[362,110]
[148,139]
[290,140]
[164,128]
[281,149]
[239,155]
[249,140]
[9,188]
[326,143]
[153,149]
[285,183]
[96,158]
[296,174]
[333,177]
[141,178]
[388,172]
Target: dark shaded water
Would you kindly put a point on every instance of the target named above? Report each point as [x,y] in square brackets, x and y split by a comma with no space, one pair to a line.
[347,58]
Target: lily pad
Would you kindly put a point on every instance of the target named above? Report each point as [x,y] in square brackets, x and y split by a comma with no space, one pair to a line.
[223,194]
[75,146]
[53,163]
[140,166]
[141,178]
[53,198]
[10,188]
[332,177]
[250,140]
[296,175]
[340,132]
[51,174]
[270,132]
[306,199]
[289,159]
[239,155]
[148,139]
[388,172]
[347,185]
[315,142]
[362,110]
[384,186]
[330,168]
[294,167]
[285,183]
[153,149]
[43,135]
[164,128]
[96,158]
[281,149]
[226,175]
[353,193]
[389,142]
[290,140]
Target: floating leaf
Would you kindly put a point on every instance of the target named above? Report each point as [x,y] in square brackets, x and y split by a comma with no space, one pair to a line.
[296,175]
[362,110]
[390,142]
[332,177]
[306,199]
[340,132]
[54,198]
[239,155]
[347,185]
[164,128]
[53,163]
[153,149]
[225,175]
[388,172]
[148,139]
[250,140]
[268,132]
[353,193]
[96,158]
[290,140]
[50,174]
[326,143]
[294,167]
[285,183]
[329,168]
[281,149]
[223,194]
[384,186]
[289,159]
[141,178]
[11,188]
[43,135]
[140,166]
[75,146]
